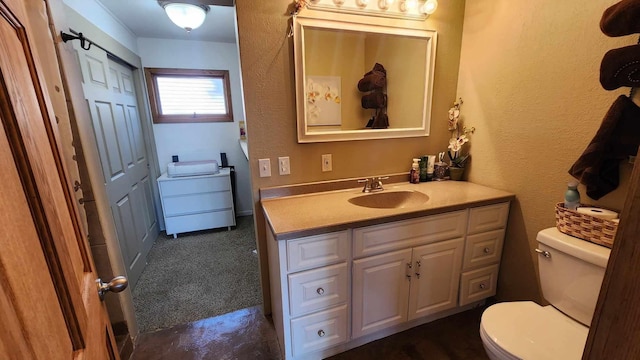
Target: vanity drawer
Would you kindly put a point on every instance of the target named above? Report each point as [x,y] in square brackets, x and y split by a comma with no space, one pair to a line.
[319,250]
[319,330]
[483,249]
[487,218]
[197,203]
[478,284]
[378,239]
[318,289]
[195,185]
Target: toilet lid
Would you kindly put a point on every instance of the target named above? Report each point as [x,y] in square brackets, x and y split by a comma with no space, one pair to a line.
[530,331]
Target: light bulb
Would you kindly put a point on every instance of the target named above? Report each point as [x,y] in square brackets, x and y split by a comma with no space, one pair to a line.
[408,5]
[385,4]
[429,7]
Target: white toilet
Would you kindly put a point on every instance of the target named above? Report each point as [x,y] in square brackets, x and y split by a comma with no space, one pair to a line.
[571,272]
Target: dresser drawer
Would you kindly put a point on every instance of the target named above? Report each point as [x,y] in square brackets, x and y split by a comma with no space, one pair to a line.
[197,203]
[195,185]
[208,220]
[318,289]
[319,250]
[478,284]
[378,239]
[483,249]
[487,218]
[319,330]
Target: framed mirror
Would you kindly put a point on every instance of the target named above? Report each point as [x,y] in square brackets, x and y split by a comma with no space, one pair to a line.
[362,81]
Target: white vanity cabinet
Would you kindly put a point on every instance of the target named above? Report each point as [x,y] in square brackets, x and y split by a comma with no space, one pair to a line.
[310,291]
[397,286]
[483,249]
[192,203]
[335,291]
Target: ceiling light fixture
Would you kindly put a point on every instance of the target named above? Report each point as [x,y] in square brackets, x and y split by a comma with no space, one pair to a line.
[186,16]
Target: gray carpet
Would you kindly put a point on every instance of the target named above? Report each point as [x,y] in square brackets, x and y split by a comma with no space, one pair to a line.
[197,276]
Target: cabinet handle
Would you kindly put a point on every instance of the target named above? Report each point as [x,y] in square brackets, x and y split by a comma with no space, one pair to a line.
[321,333]
[320,291]
[418,268]
[408,273]
[482,286]
[487,250]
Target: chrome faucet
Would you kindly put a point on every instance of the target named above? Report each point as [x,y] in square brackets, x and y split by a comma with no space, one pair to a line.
[372,184]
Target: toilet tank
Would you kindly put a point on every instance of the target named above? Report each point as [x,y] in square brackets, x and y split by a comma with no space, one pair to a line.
[572,275]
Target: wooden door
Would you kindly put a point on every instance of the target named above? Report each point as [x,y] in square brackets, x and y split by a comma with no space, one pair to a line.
[434,287]
[49,306]
[109,90]
[380,291]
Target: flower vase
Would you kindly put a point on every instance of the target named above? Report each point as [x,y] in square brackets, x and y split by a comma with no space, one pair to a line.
[456,173]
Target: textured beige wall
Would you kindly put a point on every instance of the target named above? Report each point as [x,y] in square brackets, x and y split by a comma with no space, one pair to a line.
[529,80]
[266,56]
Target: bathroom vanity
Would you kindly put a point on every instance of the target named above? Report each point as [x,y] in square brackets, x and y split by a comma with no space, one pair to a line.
[343,274]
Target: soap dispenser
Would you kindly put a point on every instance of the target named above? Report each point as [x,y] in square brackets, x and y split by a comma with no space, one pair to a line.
[414,176]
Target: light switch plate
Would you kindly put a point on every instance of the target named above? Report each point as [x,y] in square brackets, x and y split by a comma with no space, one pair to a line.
[265,167]
[327,163]
[283,165]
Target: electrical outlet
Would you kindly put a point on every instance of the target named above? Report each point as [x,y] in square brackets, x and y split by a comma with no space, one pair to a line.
[265,167]
[283,165]
[326,163]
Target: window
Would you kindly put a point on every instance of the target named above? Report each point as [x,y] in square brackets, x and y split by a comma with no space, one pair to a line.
[189,95]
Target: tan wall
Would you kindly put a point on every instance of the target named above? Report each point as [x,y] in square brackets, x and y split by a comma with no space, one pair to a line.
[529,80]
[266,57]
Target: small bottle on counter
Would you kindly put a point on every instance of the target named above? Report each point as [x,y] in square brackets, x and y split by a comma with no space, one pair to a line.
[414,175]
[572,196]
[423,168]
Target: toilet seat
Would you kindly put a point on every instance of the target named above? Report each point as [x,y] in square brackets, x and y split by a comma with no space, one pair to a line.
[526,330]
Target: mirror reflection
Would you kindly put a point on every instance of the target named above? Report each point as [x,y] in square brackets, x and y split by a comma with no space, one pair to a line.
[360,81]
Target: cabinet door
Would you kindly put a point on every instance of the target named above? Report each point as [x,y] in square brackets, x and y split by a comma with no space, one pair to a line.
[380,291]
[436,273]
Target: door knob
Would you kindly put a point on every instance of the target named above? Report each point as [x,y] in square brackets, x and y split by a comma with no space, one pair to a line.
[116,285]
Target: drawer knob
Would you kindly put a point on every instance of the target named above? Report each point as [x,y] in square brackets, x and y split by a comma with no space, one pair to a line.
[486,250]
[321,333]
[482,286]
[320,291]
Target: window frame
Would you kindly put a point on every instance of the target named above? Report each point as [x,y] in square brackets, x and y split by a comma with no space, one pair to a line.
[151,75]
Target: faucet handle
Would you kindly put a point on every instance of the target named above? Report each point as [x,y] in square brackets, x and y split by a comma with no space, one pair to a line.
[367,184]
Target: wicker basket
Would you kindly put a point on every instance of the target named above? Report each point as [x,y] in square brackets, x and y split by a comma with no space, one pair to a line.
[586,227]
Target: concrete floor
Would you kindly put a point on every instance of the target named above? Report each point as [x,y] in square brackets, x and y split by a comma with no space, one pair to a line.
[247,334]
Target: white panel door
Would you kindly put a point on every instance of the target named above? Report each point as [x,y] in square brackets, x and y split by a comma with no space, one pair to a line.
[110,93]
[436,270]
[380,291]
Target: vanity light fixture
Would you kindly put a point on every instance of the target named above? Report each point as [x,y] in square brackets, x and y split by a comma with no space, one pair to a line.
[186,16]
[399,9]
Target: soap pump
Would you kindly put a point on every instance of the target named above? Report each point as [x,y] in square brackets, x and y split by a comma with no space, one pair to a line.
[414,176]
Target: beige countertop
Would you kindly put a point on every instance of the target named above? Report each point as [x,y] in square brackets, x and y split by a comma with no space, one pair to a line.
[315,213]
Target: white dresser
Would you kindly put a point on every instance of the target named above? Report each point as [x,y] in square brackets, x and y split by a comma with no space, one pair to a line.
[194,203]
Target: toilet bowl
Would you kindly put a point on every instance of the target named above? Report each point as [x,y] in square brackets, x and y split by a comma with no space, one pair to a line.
[526,330]
[571,272]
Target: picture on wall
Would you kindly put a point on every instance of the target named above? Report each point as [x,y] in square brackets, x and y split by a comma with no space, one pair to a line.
[323,101]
